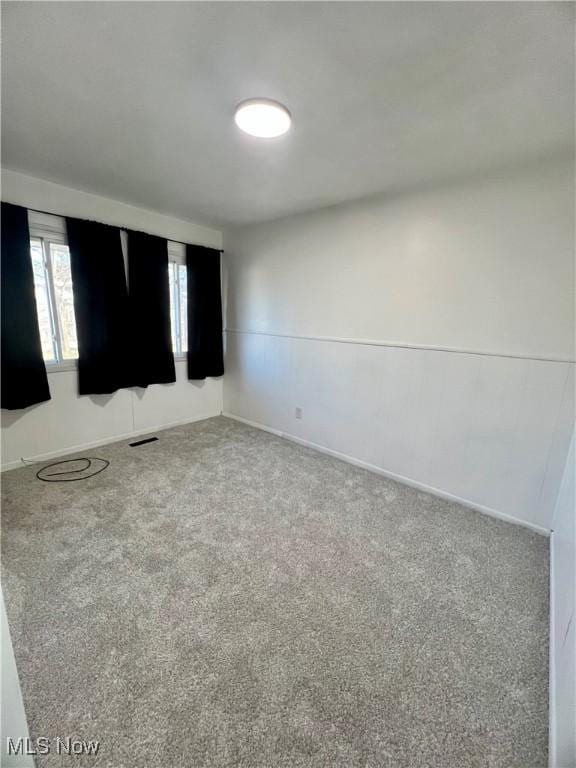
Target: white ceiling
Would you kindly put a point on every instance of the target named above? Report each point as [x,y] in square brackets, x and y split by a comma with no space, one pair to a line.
[135,100]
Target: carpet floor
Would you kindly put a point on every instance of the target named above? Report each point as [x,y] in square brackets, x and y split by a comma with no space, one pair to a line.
[223,597]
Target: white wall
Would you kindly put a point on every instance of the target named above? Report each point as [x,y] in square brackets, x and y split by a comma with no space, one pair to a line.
[563,623]
[46,196]
[68,421]
[429,336]
[12,717]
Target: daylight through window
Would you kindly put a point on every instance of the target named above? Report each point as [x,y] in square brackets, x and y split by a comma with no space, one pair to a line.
[54,300]
[178,307]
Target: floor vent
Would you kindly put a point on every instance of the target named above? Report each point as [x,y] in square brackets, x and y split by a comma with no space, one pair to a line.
[143,442]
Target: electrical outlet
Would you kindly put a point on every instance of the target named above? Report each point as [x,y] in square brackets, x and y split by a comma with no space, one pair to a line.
[298,413]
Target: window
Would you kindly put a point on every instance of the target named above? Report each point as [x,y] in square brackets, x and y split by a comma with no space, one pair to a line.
[178,298]
[55,299]
[53,287]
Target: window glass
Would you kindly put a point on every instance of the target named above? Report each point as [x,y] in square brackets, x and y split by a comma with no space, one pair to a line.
[55,297]
[183,291]
[43,303]
[64,299]
[178,307]
[173,305]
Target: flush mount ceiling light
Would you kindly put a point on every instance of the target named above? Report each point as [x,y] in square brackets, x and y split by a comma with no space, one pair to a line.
[262,118]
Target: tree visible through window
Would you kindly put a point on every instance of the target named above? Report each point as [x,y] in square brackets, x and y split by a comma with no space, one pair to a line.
[178,307]
[64,299]
[55,297]
[54,300]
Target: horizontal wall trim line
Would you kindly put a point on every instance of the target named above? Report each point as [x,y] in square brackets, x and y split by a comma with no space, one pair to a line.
[393,476]
[405,345]
[106,441]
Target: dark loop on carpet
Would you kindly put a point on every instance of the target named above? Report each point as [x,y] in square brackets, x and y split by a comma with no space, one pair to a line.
[91,468]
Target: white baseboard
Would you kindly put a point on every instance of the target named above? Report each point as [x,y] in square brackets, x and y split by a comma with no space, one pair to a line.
[106,441]
[393,476]
[309,444]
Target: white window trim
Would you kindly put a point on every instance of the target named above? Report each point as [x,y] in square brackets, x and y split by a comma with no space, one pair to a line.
[52,229]
[62,367]
[177,255]
[176,252]
[47,227]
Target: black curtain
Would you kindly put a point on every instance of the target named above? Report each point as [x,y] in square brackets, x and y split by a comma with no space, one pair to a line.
[205,351]
[101,307]
[153,358]
[24,380]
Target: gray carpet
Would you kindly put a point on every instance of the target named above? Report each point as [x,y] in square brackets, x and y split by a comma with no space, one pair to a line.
[223,597]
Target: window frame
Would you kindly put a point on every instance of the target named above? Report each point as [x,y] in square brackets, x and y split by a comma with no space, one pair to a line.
[176,255]
[48,228]
[51,229]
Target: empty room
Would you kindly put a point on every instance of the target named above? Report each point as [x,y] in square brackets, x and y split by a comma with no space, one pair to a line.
[288,385]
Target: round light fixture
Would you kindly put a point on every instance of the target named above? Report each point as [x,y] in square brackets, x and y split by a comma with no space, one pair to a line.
[263,118]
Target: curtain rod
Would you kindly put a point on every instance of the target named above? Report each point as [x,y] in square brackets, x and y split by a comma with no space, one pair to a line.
[128,229]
